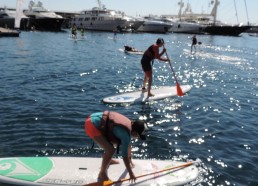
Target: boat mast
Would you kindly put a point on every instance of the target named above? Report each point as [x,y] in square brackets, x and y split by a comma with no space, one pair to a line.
[236,11]
[214,10]
[247,13]
[181,5]
[99,3]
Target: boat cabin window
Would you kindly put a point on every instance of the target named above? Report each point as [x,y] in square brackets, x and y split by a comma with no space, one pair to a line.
[93,18]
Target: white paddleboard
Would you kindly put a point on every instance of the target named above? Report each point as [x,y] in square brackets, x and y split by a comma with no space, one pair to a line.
[140,96]
[80,171]
[131,52]
[77,39]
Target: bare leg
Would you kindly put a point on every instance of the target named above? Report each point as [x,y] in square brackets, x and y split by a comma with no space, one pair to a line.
[144,81]
[109,152]
[149,87]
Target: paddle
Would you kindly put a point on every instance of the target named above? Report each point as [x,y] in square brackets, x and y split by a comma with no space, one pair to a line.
[107,183]
[178,88]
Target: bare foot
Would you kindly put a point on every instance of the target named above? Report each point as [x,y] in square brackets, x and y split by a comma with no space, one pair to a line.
[150,95]
[102,178]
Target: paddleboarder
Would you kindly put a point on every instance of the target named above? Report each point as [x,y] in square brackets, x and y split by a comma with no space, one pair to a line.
[194,42]
[74,31]
[111,128]
[149,55]
[130,49]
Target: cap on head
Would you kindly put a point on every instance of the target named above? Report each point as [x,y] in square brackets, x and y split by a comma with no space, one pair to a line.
[140,127]
[159,41]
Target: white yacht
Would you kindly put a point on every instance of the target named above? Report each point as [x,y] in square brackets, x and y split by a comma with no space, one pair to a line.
[103,19]
[182,22]
[42,18]
[182,26]
[153,25]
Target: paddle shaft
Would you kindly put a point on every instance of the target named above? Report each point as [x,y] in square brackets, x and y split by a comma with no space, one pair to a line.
[171,65]
[171,168]
[179,90]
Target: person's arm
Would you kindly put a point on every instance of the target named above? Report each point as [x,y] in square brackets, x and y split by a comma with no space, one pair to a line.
[125,139]
[130,155]
[157,55]
[129,168]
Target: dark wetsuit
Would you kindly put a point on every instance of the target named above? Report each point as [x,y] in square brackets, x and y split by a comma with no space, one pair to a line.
[149,55]
[128,48]
[194,41]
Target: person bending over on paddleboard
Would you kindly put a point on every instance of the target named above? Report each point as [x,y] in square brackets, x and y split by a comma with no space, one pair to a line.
[147,61]
[111,128]
[194,42]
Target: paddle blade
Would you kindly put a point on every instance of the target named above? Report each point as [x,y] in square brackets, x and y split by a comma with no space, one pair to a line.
[107,183]
[179,90]
[101,183]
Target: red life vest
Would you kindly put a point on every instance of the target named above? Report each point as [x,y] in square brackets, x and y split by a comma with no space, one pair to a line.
[150,52]
[111,119]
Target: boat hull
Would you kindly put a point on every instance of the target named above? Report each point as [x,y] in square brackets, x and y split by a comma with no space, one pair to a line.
[107,25]
[154,28]
[9,23]
[44,24]
[187,28]
[226,30]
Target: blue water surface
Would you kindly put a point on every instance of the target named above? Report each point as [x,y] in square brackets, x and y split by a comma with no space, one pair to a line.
[49,84]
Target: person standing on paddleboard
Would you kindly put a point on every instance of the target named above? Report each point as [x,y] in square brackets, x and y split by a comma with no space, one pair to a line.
[111,128]
[194,42]
[147,61]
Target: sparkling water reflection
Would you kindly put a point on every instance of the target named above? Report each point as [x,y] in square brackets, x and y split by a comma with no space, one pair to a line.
[49,84]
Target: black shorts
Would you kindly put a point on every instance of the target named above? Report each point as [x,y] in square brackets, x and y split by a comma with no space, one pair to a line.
[146,63]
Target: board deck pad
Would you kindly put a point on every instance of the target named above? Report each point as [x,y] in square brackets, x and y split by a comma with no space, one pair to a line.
[140,96]
[80,171]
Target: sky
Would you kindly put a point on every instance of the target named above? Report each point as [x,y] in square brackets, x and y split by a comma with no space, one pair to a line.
[226,11]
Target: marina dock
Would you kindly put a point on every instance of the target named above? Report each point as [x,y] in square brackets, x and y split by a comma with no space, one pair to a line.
[8,32]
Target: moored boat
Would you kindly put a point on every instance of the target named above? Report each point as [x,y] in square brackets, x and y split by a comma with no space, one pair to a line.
[153,25]
[218,28]
[226,30]
[209,22]
[103,19]
[43,19]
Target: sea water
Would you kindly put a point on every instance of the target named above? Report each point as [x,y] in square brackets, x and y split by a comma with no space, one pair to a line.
[49,84]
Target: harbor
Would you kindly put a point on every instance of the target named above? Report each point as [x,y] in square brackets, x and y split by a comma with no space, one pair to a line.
[38,18]
[51,81]
[50,84]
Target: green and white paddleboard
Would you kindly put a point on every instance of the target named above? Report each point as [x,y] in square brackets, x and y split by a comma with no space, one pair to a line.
[80,171]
